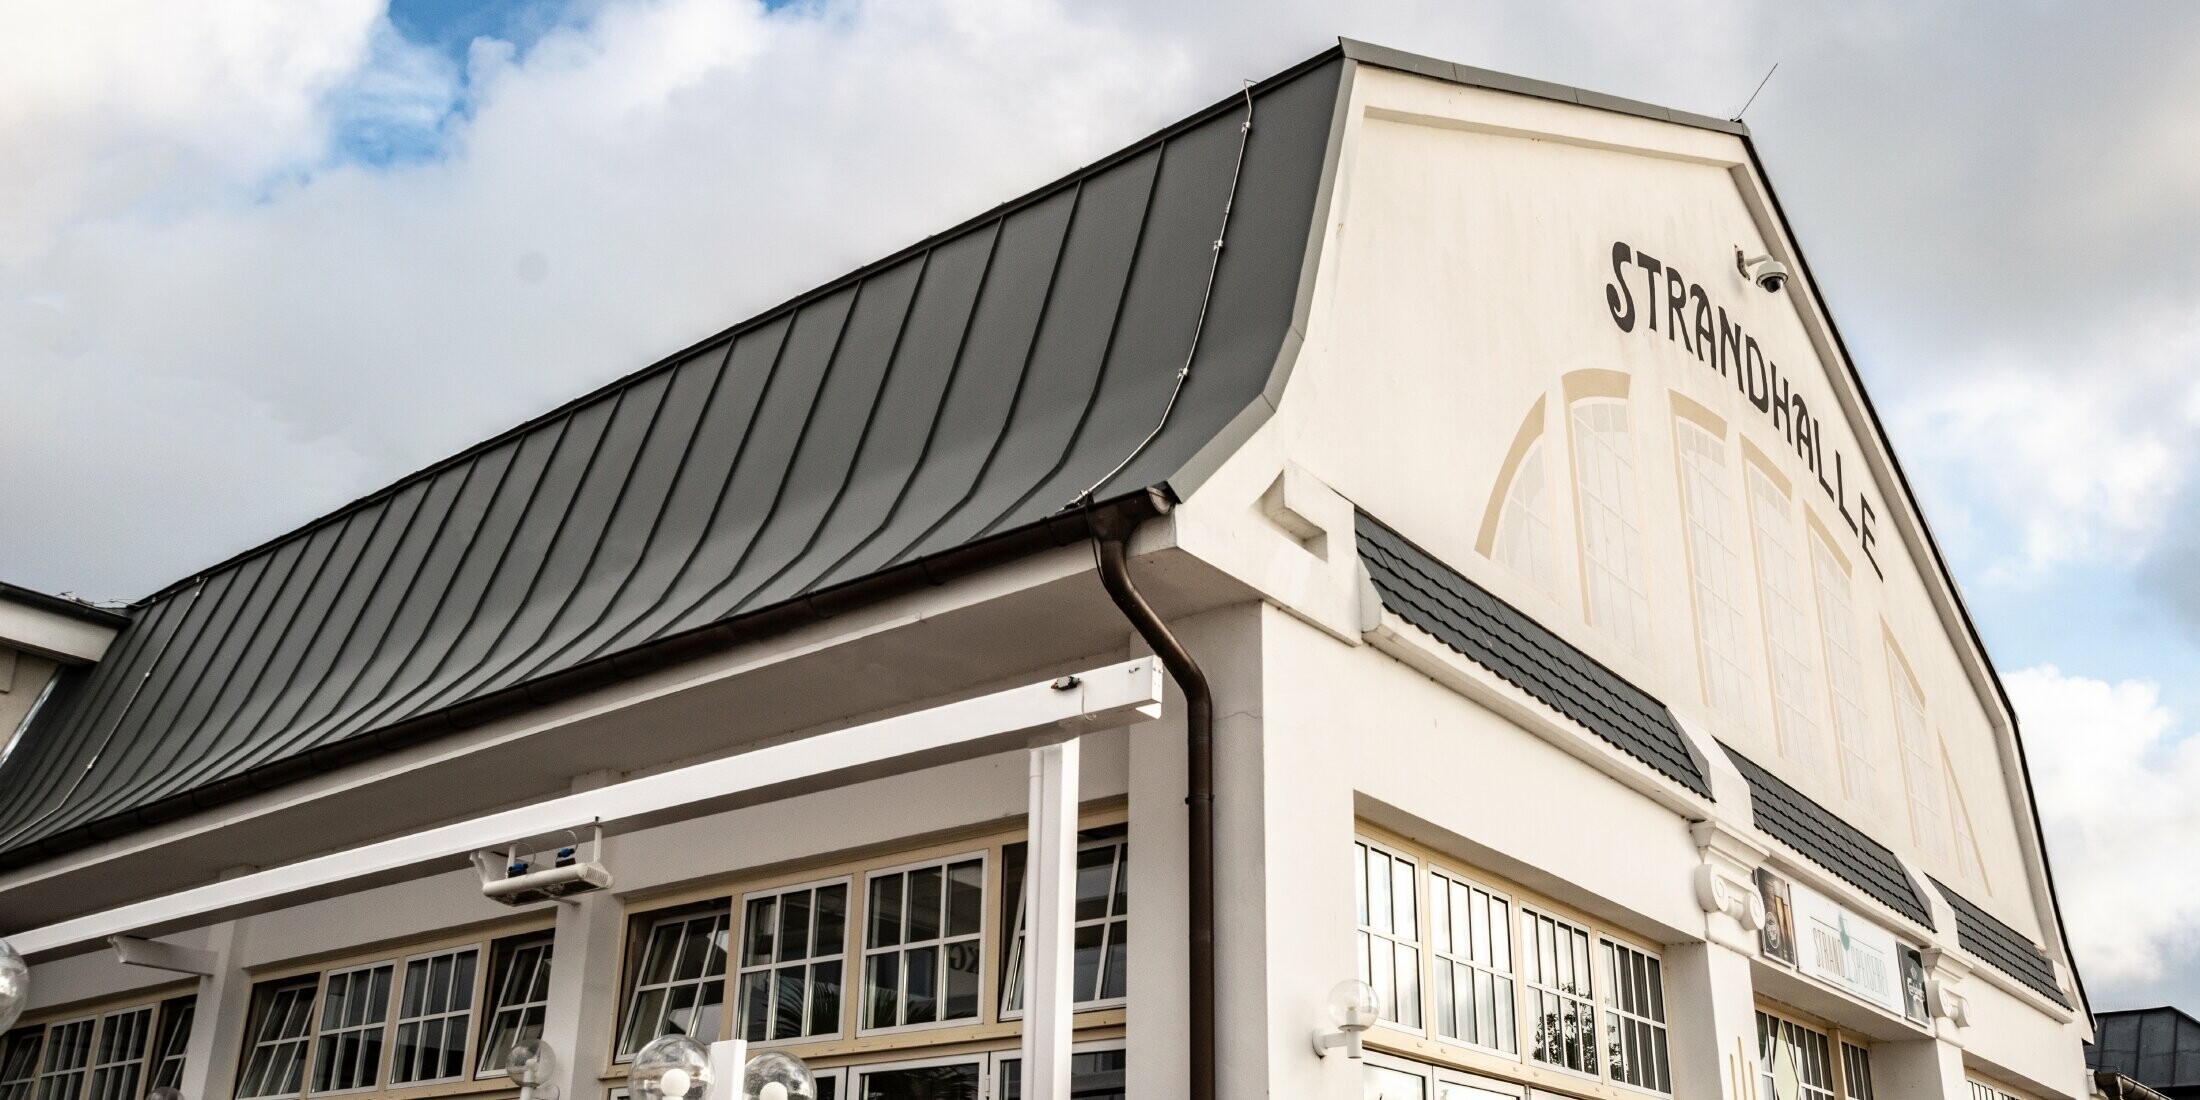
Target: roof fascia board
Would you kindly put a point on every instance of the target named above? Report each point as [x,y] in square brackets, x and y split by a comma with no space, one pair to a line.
[1473,77]
[1917,535]
[47,631]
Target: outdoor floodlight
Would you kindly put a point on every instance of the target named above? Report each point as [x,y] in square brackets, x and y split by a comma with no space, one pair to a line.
[673,1067]
[775,1076]
[15,984]
[531,1063]
[1353,1008]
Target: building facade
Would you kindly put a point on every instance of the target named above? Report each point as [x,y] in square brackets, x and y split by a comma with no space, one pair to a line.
[1550,643]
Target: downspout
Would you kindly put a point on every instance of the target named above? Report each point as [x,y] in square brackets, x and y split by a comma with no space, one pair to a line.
[1110,534]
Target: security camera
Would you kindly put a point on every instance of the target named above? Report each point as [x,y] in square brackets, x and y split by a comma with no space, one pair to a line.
[1769,274]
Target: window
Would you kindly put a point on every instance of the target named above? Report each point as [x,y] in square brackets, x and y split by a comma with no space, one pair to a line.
[1980,1090]
[1856,1066]
[347,1052]
[1715,571]
[936,1079]
[1471,933]
[1844,673]
[1959,815]
[175,1040]
[794,949]
[1390,956]
[1524,542]
[1634,1018]
[1920,763]
[1788,1050]
[280,1030]
[68,1052]
[679,988]
[923,944]
[1554,957]
[1101,932]
[1094,1074]
[519,998]
[434,1017]
[1604,476]
[1787,629]
[19,1063]
[118,1058]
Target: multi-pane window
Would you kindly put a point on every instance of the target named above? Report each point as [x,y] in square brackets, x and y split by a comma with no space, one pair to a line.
[1844,673]
[1786,1051]
[1524,541]
[923,945]
[680,986]
[1920,761]
[19,1064]
[1093,1075]
[118,1056]
[1100,934]
[1470,931]
[519,998]
[1390,932]
[1856,1071]
[68,1054]
[1604,476]
[174,1041]
[1634,1019]
[1959,815]
[1980,1090]
[347,1050]
[434,1017]
[1555,961]
[1791,649]
[280,1031]
[794,950]
[1715,571]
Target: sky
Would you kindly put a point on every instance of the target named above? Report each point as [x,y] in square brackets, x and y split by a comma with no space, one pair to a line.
[260,258]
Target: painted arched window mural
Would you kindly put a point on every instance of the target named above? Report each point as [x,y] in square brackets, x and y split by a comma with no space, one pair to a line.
[1844,671]
[1790,649]
[1715,570]
[1920,760]
[1959,815]
[1611,534]
[1516,527]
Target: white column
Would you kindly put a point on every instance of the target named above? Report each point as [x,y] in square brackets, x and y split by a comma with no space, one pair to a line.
[1050,885]
[217,1023]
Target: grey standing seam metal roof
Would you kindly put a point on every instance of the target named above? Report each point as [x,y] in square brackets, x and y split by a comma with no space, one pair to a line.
[1494,634]
[2004,948]
[1826,840]
[2157,1047]
[965,388]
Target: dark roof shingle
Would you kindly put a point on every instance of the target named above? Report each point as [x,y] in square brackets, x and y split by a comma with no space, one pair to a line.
[1823,838]
[2002,947]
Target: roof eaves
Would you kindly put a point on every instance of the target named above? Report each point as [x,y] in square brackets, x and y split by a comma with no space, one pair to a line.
[62,605]
[1470,76]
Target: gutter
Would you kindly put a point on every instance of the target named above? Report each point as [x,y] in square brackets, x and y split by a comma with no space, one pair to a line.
[1111,532]
[1062,529]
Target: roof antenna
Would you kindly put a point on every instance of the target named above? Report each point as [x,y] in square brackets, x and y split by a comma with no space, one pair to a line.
[1753,95]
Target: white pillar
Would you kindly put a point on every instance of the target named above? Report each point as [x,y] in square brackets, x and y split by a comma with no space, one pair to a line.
[1920,1069]
[216,1042]
[1050,882]
[1710,998]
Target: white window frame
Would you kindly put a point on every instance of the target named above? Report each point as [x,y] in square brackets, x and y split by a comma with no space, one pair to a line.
[132,1067]
[1715,570]
[1852,724]
[1435,1079]
[1442,924]
[81,1073]
[1856,1085]
[997,1072]
[853,1083]
[1920,749]
[1585,999]
[25,1086]
[1782,1029]
[1012,990]
[1527,541]
[309,987]
[1791,645]
[464,1011]
[943,941]
[638,986]
[1369,933]
[323,1033]
[1614,1015]
[172,1040]
[494,1007]
[1612,541]
[740,969]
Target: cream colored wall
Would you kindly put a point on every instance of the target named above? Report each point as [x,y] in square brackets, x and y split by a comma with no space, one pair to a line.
[22,676]
[1471,246]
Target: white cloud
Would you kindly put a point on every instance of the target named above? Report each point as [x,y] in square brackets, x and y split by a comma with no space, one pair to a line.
[2114,776]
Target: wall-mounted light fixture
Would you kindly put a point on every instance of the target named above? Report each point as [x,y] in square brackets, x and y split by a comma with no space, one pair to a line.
[676,1067]
[531,1064]
[1353,1009]
[15,984]
[164,1092]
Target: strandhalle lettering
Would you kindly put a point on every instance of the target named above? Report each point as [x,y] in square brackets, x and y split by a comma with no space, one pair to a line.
[1689,322]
